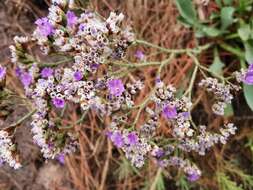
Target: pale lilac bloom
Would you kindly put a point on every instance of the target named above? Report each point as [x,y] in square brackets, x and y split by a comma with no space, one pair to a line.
[2,72]
[59,102]
[116,87]
[132,138]
[47,72]
[193,177]
[71,19]
[248,79]
[170,112]
[117,139]
[26,79]
[61,158]
[18,72]
[82,27]
[78,75]
[45,27]
[139,55]
[186,115]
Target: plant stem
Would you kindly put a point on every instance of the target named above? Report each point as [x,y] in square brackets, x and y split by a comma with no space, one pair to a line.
[131,65]
[41,65]
[23,118]
[158,174]
[194,50]
[232,50]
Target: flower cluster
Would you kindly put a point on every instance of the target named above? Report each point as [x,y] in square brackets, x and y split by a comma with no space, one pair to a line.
[176,111]
[84,46]
[2,73]
[205,140]
[191,171]
[245,76]
[8,150]
[221,92]
[88,41]
[135,147]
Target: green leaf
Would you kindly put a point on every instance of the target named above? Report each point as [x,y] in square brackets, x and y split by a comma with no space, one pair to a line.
[217,64]
[228,2]
[211,31]
[248,94]
[248,51]
[184,21]
[244,32]
[187,11]
[218,2]
[228,111]
[227,17]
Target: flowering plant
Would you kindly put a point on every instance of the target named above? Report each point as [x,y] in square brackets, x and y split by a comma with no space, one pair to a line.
[88,68]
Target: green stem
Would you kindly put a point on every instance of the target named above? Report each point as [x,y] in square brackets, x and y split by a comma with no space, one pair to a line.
[23,118]
[131,65]
[41,65]
[232,50]
[176,51]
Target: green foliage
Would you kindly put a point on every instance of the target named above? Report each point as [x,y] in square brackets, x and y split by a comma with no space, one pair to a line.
[125,169]
[217,64]
[247,180]
[228,111]
[183,184]
[187,11]
[226,17]
[225,183]
[233,25]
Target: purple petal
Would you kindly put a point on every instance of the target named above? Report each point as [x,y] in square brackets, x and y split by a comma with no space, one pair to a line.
[139,54]
[44,26]
[2,72]
[116,87]
[117,139]
[71,19]
[59,102]
[170,112]
[26,79]
[78,75]
[47,72]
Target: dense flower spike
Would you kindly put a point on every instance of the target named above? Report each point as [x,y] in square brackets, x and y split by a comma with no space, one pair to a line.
[2,72]
[45,28]
[245,76]
[85,46]
[221,92]
[7,150]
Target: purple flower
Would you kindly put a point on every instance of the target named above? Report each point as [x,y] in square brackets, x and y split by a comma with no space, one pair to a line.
[139,54]
[61,158]
[45,27]
[193,177]
[47,72]
[116,87]
[170,112]
[26,79]
[2,72]
[132,138]
[78,75]
[59,102]
[117,139]
[248,79]
[109,134]
[18,72]
[186,114]
[159,153]
[71,19]
[82,27]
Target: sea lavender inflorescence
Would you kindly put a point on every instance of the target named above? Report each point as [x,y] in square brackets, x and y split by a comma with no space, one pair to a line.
[8,150]
[87,44]
[221,92]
